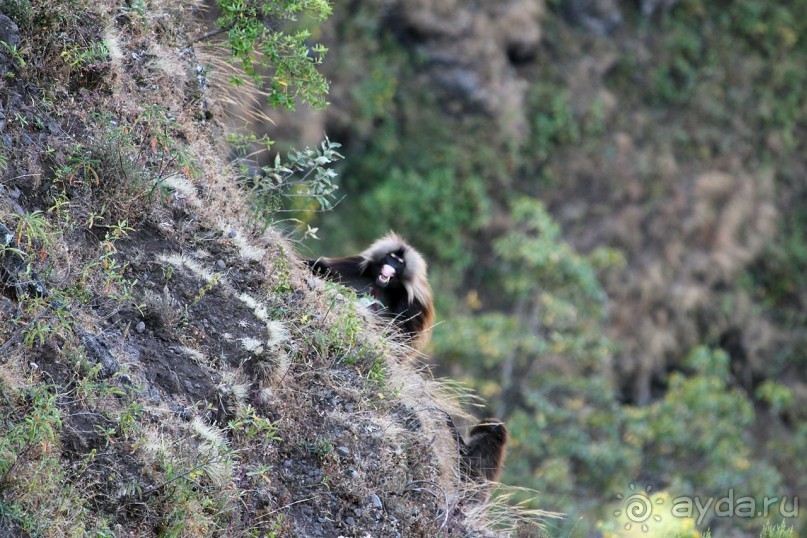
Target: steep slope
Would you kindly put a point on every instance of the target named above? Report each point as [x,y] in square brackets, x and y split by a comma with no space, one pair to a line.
[166,365]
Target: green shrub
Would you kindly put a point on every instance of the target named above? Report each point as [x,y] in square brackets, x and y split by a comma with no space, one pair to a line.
[302,184]
[777,531]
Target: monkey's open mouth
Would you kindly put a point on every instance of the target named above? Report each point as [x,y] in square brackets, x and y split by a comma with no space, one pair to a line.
[387,272]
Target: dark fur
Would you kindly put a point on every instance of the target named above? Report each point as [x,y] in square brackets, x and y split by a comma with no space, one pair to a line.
[484,453]
[407,298]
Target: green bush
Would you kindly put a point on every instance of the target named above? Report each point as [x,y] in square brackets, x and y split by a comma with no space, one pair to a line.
[546,368]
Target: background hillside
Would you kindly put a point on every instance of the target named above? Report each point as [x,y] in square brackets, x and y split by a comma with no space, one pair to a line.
[611,196]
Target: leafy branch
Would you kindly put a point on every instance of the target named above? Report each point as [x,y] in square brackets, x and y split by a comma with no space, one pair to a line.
[291,64]
[305,175]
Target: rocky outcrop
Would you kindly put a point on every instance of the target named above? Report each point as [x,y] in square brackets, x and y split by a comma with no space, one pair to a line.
[471,50]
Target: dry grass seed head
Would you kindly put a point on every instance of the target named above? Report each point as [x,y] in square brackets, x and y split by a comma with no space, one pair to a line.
[501,514]
[163,308]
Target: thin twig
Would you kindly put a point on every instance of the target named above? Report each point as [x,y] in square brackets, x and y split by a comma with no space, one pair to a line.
[286,506]
[212,33]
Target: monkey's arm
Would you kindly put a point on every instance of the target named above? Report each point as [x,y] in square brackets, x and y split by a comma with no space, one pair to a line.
[346,271]
[342,270]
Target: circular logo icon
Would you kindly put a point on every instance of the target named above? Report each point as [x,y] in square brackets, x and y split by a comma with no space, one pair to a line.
[638,508]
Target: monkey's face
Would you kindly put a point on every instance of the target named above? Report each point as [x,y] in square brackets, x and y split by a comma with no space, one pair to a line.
[390,269]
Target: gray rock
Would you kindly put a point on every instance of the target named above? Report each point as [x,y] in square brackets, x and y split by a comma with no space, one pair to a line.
[140,327]
[9,31]
[98,353]
[350,521]
[220,265]
[125,379]
[375,501]
[7,307]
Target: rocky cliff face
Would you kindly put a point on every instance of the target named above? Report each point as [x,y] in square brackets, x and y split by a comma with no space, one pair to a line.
[470,51]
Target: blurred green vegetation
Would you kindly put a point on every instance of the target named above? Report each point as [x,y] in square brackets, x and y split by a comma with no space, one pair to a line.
[523,312]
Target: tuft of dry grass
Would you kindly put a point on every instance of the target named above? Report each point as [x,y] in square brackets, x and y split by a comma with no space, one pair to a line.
[500,514]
